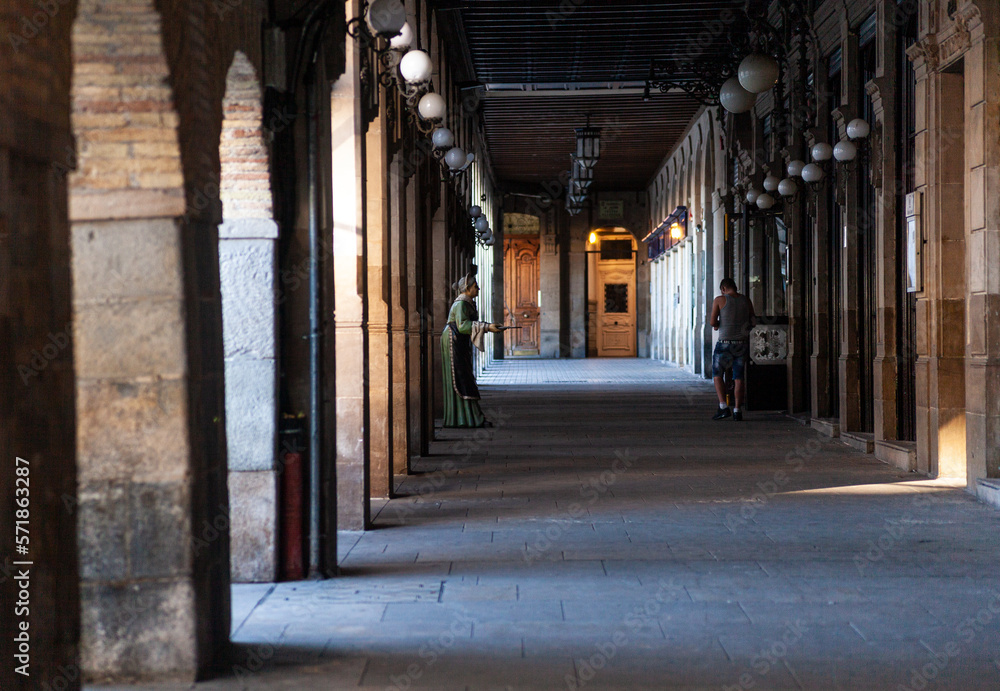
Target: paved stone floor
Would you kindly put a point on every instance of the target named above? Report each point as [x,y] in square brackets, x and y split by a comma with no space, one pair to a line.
[613,537]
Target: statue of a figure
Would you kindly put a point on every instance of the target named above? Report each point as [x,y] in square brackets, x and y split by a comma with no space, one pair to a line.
[461,395]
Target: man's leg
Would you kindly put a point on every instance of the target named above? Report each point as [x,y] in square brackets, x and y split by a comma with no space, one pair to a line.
[720,389]
[740,392]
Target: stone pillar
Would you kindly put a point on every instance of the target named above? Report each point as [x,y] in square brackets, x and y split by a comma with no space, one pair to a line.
[982,100]
[153,513]
[550,286]
[399,290]
[414,257]
[438,298]
[578,288]
[349,259]
[377,238]
[850,375]
[941,448]
[883,141]
[247,266]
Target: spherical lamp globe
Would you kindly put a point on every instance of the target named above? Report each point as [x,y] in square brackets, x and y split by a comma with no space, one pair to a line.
[735,98]
[758,73]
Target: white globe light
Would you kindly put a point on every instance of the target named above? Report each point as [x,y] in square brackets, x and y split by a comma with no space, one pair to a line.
[431,107]
[765,201]
[405,38]
[455,158]
[443,138]
[487,236]
[822,152]
[735,98]
[812,173]
[758,73]
[787,187]
[475,211]
[752,195]
[482,224]
[771,183]
[386,17]
[489,241]
[858,129]
[416,67]
[845,151]
[795,168]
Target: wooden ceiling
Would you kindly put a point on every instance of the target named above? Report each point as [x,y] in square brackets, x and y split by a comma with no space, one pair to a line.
[544,65]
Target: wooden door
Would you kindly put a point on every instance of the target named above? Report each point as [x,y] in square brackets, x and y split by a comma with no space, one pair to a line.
[521,282]
[616,323]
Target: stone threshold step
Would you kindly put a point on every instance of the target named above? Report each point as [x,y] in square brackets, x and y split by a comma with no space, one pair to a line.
[862,441]
[988,491]
[902,454]
[826,425]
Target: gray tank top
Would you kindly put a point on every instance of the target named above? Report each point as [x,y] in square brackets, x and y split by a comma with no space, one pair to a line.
[734,319]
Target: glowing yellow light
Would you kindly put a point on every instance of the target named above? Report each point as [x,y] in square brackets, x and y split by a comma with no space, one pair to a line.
[676,231]
[593,237]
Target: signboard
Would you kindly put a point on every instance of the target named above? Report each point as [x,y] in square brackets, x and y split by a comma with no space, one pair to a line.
[914,244]
[611,210]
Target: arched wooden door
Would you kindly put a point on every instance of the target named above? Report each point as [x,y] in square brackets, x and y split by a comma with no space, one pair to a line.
[616,308]
[521,295]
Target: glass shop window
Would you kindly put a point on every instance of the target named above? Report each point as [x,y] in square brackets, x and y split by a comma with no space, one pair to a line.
[768,280]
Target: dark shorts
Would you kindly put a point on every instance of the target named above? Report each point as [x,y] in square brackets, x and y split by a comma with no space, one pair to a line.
[730,356]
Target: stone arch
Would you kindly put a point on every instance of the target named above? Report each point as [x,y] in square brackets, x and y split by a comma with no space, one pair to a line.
[248,280]
[152,508]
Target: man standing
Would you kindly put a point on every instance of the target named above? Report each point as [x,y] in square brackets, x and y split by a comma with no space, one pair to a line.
[732,317]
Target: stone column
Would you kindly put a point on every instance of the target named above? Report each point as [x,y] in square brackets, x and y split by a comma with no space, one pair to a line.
[941,342]
[578,288]
[349,258]
[415,240]
[439,292]
[247,266]
[399,290]
[982,100]
[847,196]
[549,284]
[883,141]
[377,238]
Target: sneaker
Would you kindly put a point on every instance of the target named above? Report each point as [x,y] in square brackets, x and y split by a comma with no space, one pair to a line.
[722,413]
[737,416]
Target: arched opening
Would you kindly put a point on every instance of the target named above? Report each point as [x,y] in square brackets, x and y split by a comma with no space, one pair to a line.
[247,269]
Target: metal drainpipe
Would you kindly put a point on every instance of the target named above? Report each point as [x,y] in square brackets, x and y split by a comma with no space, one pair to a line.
[315,328]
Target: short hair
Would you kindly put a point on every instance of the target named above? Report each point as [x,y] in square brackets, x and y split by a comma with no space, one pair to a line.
[727,282]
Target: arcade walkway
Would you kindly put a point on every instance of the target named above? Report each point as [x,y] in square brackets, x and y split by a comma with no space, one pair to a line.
[609,535]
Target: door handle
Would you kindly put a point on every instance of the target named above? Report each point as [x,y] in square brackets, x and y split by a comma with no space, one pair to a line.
[524,315]
[616,323]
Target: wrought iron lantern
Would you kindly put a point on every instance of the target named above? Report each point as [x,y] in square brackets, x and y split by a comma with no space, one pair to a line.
[588,145]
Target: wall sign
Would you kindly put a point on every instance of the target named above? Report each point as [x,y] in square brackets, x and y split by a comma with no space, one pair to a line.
[611,210]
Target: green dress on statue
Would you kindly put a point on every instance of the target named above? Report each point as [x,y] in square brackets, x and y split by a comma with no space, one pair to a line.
[461,395]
